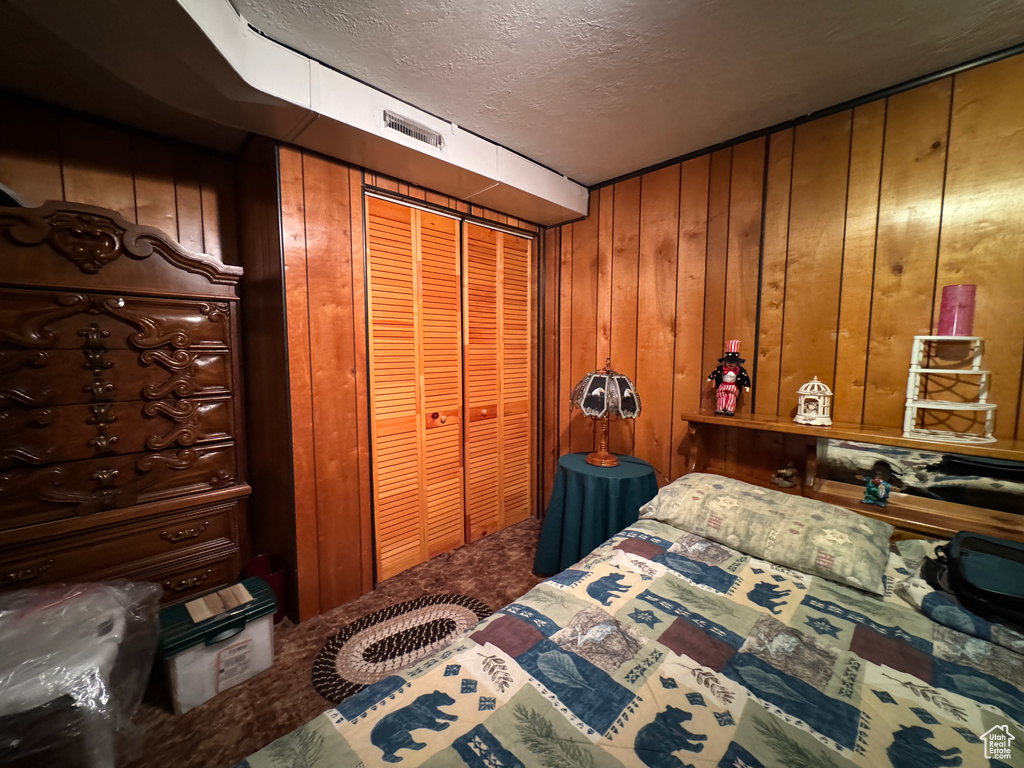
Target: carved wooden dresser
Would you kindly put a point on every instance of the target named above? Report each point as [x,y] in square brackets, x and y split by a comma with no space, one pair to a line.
[120,413]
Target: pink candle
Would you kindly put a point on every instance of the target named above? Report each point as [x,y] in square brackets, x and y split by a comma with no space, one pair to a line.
[956,315]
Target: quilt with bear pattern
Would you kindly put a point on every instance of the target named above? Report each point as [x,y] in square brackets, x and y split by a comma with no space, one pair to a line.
[663,649]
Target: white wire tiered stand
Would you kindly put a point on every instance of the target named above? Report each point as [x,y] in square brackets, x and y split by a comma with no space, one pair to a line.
[919,373]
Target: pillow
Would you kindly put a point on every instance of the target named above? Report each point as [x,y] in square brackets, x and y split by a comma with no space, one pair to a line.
[792,531]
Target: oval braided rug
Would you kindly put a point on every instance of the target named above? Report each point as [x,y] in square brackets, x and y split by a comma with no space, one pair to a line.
[390,640]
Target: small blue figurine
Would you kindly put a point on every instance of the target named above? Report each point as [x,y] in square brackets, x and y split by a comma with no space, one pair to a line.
[878,486]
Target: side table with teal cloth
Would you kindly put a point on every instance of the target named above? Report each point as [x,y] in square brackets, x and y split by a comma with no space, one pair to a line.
[588,506]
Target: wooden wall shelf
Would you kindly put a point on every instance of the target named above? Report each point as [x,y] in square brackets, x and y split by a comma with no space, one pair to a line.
[1011,450]
[912,517]
[916,517]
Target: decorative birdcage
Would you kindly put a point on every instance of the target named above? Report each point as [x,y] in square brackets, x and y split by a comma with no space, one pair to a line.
[814,404]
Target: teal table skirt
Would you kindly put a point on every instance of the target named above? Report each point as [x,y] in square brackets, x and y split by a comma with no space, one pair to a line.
[588,506]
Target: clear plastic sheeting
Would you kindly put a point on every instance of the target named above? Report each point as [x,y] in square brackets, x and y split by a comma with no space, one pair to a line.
[74,662]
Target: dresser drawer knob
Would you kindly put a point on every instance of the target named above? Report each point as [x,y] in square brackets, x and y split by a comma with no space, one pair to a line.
[105,477]
[25,574]
[187,533]
[103,443]
[189,583]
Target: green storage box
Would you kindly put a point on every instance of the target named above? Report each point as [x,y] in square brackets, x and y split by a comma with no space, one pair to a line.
[207,658]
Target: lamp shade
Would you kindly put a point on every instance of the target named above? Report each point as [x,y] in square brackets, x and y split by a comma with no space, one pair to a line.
[604,394]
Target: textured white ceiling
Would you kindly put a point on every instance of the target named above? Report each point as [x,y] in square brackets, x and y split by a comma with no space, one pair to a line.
[596,89]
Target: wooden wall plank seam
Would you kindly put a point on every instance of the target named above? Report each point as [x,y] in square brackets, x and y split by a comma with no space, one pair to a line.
[743,255]
[155,201]
[912,176]
[584,318]
[842,251]
[774,258]
[605,242]
[821,152]
[535,319]
[756,352]
[694,188]
[625,201]
[357,207]
[555,336]
[549,381]
[268,429]
[857,280]
[188,196]
[300,385]
[539,356]
[96,162]
[565,327]
[656,316]
[936,386]
[715,266]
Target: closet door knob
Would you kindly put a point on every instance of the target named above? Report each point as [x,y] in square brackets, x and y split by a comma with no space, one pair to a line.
[483,412]
[444,419]
[434,415]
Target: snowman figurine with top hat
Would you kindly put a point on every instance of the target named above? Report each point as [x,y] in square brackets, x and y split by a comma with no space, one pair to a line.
[728,377]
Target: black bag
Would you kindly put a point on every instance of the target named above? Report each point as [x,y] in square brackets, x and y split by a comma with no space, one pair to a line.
[986,574]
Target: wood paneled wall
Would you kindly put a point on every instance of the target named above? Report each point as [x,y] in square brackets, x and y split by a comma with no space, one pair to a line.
[309,429]
[187,192]
[823,248]
[306,366]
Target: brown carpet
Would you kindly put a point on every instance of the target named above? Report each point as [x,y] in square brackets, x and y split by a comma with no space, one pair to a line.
[240,721]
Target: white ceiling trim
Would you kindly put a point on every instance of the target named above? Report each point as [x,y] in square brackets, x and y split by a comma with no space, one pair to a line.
[346,121]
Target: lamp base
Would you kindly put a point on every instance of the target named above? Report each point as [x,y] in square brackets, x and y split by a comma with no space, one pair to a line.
[602,459]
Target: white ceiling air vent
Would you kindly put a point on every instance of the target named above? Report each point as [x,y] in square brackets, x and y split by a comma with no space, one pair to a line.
[412,129]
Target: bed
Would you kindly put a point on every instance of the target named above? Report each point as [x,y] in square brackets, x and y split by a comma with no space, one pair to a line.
[667,646]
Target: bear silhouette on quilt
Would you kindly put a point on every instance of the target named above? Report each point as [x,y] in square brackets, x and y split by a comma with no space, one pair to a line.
[768,595]
[656,741]
[602,589]
[910,747]
[394,731]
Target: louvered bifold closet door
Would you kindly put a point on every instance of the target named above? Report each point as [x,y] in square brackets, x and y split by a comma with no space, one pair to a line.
[442,381]
[497,375]
[414,342]
[515,379]
[482,444]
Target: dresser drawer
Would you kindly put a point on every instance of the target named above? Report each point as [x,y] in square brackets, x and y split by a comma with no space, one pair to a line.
[182,584]
[60,320]
[185,577]
[179,582]
[31,495]
[69,376]
[74,432]
[63,558]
